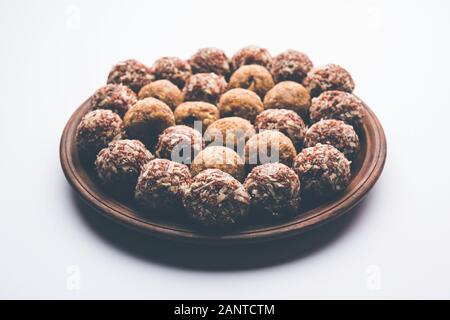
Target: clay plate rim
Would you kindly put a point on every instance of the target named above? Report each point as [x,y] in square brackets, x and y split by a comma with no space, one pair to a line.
[368,173]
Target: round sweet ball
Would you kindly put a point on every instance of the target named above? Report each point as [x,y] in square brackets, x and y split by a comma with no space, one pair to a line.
[269,146]
[208,60]
[289,95]
[95,130]
[286,121]
[252,77]
[218,157]
[180,144]
[274,188]
[251,55]
[162,184]
[337,133]
[163,90]
[147,119]
[207,87]
[240,103]
[120,163]
[115,97]
[232,132]
[291,65]
[196,114]
[173,69]
[323,170]
[328,77]
[338,105]
[132,74]
[216,199]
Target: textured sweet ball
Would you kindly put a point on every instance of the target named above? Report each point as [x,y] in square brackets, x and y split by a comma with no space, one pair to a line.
[274,188]
[216,199]
[207,87]
[147,119]
[337,133]
[173,69]
[251,55]
[131,73]
[290,65]
[208,60]
[269,146]
[218,157]
[120,163]
[323,170]
[286,121]
[163,90]
[115,97]
[95,130]
[180,144]
[196,114]
[252,77]
[289,95]
[240,103]
[338,105]
[232,132]
[328,77]
[162,184]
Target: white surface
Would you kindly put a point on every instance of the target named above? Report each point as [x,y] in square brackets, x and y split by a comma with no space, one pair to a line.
[54,54]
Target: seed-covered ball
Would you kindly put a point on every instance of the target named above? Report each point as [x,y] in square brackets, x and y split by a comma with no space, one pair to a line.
[232,132]
[274,188]
[218,157]
[216,199]
[207,87]
[95,130]
[323,170]
[328,77]
[120,163]
[251,55]
[196,114]
[240,103]
[338,105]
[337,133]
[269,146]
[132,74]
[162,184]
[163,90]
[115,97]
[173,69]
[180,144]
[208,60]
[286,121]
[147,119]
[291,65]
[252,77]
[289,95]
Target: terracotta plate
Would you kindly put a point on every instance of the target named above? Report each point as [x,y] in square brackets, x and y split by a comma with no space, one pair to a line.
[366,168]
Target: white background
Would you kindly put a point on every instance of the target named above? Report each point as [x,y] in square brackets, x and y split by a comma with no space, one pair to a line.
[54,54]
